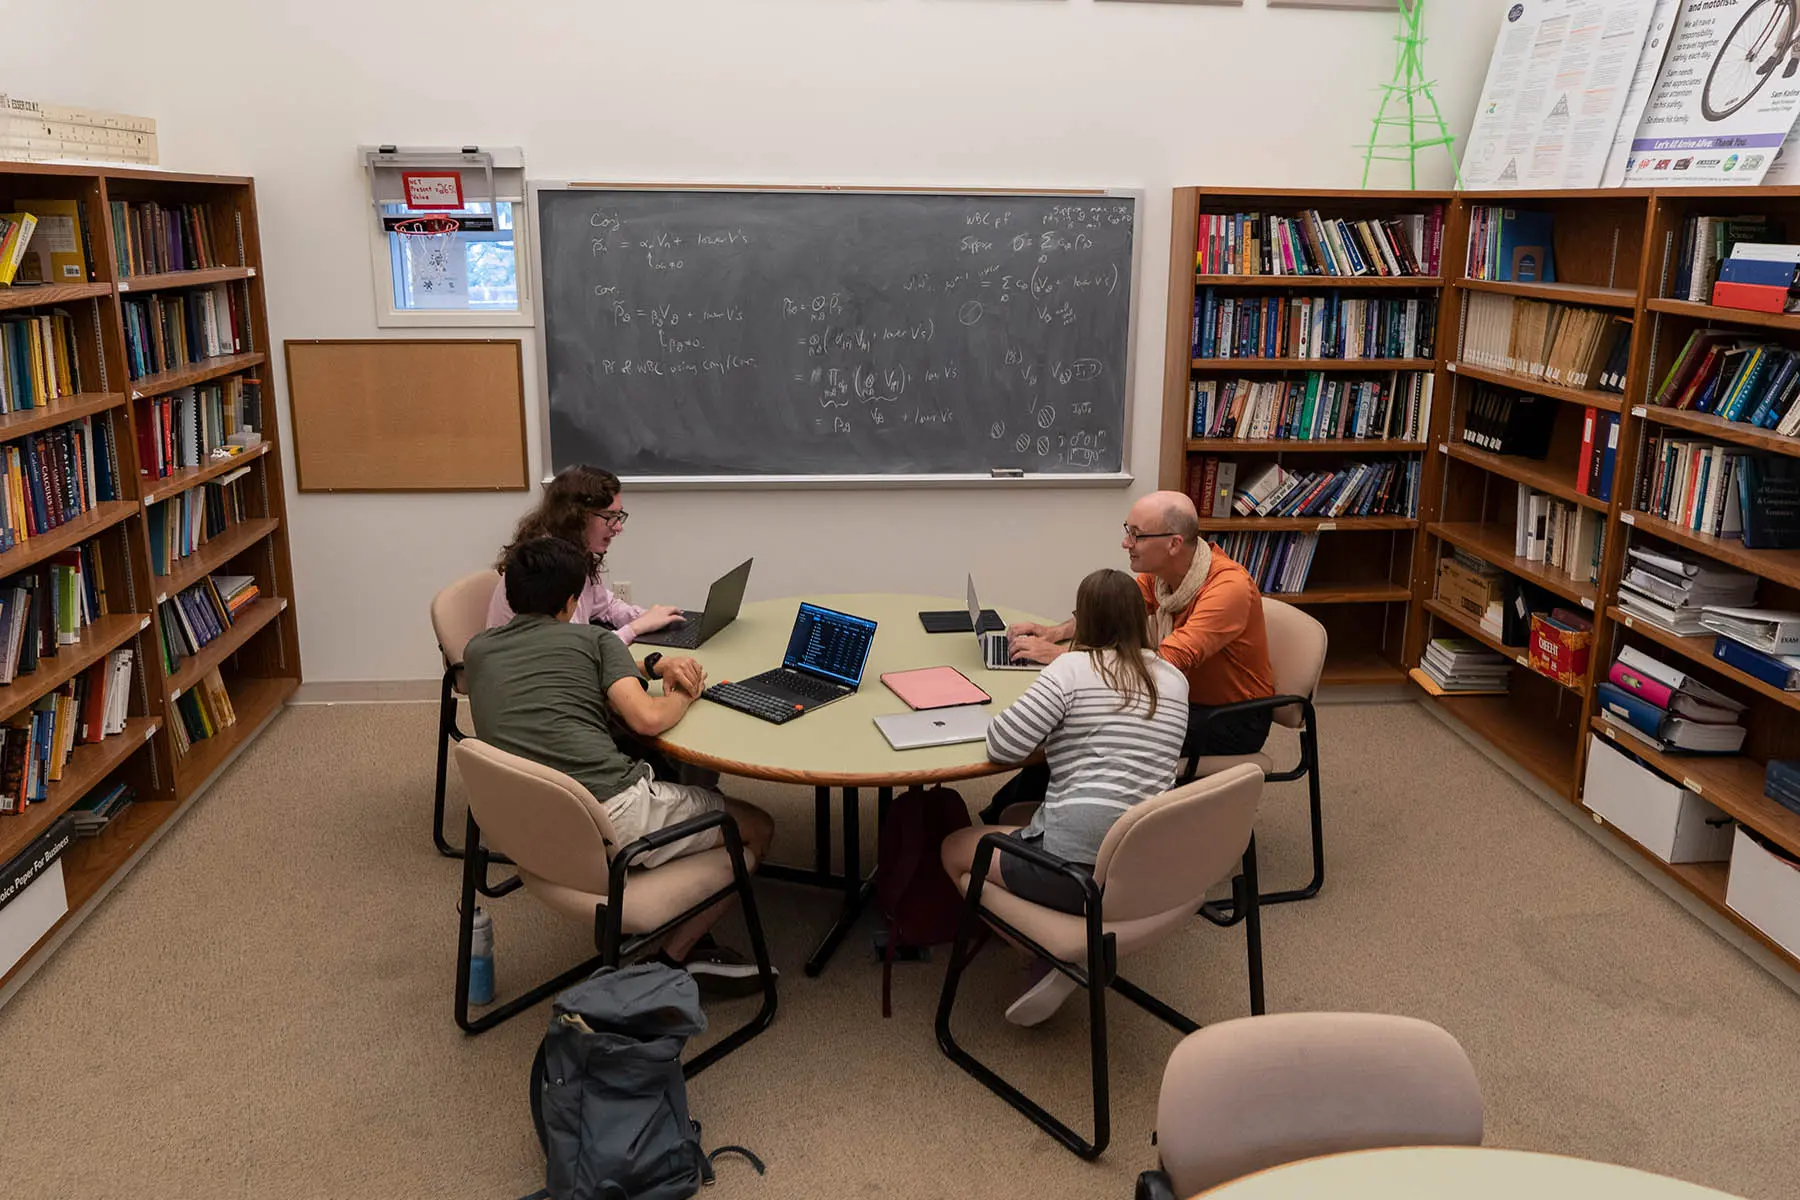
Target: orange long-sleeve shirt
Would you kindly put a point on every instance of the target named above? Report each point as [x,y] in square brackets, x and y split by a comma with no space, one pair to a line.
[1220,643]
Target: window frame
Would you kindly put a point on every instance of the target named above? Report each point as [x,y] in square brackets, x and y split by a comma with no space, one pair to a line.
[382,258]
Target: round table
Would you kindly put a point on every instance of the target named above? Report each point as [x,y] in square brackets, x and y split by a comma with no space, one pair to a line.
[1463,1172]
[838,745]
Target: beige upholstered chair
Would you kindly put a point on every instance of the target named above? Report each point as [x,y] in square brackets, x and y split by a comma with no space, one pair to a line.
[559,838]
[458,613]
[1245,1095]
[1153,869]
[1297,656]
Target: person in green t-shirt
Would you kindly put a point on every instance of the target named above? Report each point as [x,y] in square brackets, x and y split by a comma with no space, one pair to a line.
[551,691]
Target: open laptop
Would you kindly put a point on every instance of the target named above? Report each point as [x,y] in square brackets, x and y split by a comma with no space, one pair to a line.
[934,727]
[723,600]
[826,654]
[996,654]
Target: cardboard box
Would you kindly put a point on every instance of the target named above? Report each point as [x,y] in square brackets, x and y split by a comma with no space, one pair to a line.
[1661,816]
[1466,591]
[1764,889]
[1562,654]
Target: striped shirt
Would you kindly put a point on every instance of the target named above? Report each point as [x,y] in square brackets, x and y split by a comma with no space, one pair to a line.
[1102,759]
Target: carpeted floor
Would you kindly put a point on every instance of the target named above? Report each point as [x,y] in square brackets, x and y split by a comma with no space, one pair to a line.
[263,1007]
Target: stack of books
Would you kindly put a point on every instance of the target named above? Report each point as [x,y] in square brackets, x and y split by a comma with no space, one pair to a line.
[1669,590]
[1502,421]
[1256,243]
[47,607]
[1279,562]
[182,429]
[1559,533]
[1781,783]
[1394,407]
[152,237]
[96,810]
[48,479]
[1561,343]
[38,360]
[1705,243]
[35,744]
[237,591]
[1354,490]
[1465,665]
[186,521]
[1758,277]
[1510,244]
[204,710]
[165,331]
[1718,372]
[1722,491]
[1778,670]
[1668,709]
[196,616]
[1596,467]
[1331,326]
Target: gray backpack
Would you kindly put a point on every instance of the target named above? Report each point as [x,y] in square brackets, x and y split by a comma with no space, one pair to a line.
[608,1096]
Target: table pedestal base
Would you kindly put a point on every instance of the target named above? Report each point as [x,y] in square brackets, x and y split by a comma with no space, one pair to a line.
[856,887]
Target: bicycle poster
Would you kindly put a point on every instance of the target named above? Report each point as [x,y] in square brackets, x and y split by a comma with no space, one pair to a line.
[1726,97]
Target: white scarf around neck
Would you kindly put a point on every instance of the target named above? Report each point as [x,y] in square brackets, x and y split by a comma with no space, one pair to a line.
[1169,604]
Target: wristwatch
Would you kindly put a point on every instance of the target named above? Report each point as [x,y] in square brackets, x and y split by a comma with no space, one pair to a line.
[650,661]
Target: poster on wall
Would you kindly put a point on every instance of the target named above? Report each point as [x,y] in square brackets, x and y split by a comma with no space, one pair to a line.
[1725,99]
[1656,48]
[1555,89]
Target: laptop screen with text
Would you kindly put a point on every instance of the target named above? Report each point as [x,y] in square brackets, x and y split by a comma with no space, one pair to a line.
[832,644]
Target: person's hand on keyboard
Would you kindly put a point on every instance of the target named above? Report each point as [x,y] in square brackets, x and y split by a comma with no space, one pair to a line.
[1030,647]
[658,616]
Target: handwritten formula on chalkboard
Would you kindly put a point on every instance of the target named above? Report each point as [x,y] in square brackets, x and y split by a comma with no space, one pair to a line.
[710,333]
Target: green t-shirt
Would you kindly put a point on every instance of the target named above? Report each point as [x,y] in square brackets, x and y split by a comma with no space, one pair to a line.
[538,686]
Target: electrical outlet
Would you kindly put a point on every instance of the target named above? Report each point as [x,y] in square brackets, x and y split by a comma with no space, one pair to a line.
[622,589]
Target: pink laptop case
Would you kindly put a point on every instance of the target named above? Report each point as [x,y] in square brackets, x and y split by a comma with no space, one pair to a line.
[934,687]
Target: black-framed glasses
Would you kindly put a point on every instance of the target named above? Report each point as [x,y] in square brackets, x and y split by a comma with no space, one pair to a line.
[1138,535]
[616,517]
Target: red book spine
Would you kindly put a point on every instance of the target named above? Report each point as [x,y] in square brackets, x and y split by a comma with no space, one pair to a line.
[1587,452]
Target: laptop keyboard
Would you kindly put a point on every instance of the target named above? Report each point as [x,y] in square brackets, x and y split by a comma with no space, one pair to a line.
[749,700]
[816,690]
[997,652]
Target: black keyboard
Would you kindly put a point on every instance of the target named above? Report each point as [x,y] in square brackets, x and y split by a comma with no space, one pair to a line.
[685,636]
[749,700]
[804,686]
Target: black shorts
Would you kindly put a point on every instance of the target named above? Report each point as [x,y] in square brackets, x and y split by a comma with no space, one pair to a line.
[1041,885]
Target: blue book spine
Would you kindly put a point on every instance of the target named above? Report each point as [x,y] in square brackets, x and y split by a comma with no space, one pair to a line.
[1757,271]
[1609,457]
[1208,320]
[1766,667]
[1642,714]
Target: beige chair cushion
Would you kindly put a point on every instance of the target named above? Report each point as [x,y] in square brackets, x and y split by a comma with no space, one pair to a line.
[1248,1094]
[1212,765]
[653,897]
[459,612]
[1297,645]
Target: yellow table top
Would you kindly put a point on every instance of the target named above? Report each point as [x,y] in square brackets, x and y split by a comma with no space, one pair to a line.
[1462,1172]
[837,745]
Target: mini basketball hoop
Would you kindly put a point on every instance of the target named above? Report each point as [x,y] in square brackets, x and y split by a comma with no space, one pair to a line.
[426,226]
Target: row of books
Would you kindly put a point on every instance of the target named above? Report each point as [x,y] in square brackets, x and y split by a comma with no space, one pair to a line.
[47,607]
[200,614]
[167,330]
[1353,490]
[1510,244]
[1228,325]
[1212,482]
[1316,408]
[1279,562]
[1502,421]
[1561,343]
[100,807]
[1255,243]
[1560,534]
[1668,709]
[202,711]
[1670,588]
[35,744]
[38,360]
[1740,380]
[1721,491]
[48,479]
[181,430]
[1705,243]
[1465,665]
[188,520]
[153,237]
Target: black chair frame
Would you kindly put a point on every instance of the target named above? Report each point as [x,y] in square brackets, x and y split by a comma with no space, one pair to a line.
[448,733]
[609,940]
[1216,911]
[1096,975]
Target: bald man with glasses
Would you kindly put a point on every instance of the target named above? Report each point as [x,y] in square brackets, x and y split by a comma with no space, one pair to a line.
[1206,620]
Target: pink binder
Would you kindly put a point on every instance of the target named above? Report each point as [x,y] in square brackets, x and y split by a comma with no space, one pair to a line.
[934,687]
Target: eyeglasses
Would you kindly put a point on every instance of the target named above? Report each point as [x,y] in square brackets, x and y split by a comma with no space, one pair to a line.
[1133,536]
[616,517]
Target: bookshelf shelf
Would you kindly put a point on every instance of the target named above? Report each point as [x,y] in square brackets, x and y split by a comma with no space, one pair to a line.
[1566,293]
[87,766]
[1521,382]
[1369,365]
[40,295]
[1782,566]
[1302,446]
[213,555]
[34,550]
[1305,524]
[58,412]
[180,279]
[1466,625]
[200,372]
[1319,282]
[1698,649]
[97,640]
[1529,471]
[250,622]
[1732,782]
[1706,880]
[1345,593]
[1715,426]
[188,478]
[1784,322]
[1360,668]
[1495,545]
[254,701]
[1522,735]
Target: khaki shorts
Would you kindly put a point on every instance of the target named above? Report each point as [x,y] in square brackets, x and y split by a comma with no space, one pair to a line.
[652,804]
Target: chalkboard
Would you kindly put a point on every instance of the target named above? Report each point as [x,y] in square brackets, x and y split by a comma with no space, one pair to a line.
[803,334]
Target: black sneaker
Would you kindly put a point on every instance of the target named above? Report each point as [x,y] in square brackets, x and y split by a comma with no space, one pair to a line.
[721,972]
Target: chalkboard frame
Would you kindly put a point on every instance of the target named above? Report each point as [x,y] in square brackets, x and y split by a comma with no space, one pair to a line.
[1107,479]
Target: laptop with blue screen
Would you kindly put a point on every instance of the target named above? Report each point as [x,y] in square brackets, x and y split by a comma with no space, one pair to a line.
[826,654]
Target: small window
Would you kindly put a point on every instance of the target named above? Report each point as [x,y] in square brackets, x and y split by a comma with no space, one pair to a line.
[465,271]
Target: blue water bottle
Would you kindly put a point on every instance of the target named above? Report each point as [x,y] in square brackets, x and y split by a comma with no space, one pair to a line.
[481,960]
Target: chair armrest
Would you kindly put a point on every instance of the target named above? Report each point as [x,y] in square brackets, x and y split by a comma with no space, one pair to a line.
[984,855]
[721,820]
[1209,712]
[1155,1185]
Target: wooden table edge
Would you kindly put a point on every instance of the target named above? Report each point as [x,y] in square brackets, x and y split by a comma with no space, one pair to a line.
[837,779]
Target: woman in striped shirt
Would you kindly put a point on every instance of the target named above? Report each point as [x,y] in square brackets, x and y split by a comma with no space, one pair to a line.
[1110,718]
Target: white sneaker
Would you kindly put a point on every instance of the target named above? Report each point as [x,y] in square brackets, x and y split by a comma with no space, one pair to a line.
[1039,1002]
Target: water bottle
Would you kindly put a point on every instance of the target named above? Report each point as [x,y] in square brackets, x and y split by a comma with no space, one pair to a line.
[481,960]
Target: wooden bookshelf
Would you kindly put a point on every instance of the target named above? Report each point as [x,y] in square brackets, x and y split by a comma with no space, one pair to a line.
[1367,365]
[1566,293]
[1524,736]
[1699,649]
[1346,593]
[260,654]
[1495,545]
[1783,566]
[1319,282]
[1719,429]
[1558,481]
[1731,781]
[1305,524]
[1223,446]
[1713,314]
[1360,668]
[1521,382]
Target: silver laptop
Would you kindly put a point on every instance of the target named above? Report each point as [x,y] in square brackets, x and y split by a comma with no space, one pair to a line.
[722,603]
[934,726]
[996,654]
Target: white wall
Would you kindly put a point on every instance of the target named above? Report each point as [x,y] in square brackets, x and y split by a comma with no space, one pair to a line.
[1028,93]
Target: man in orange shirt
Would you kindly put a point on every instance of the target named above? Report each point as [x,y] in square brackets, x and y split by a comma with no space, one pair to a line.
[1206,620]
